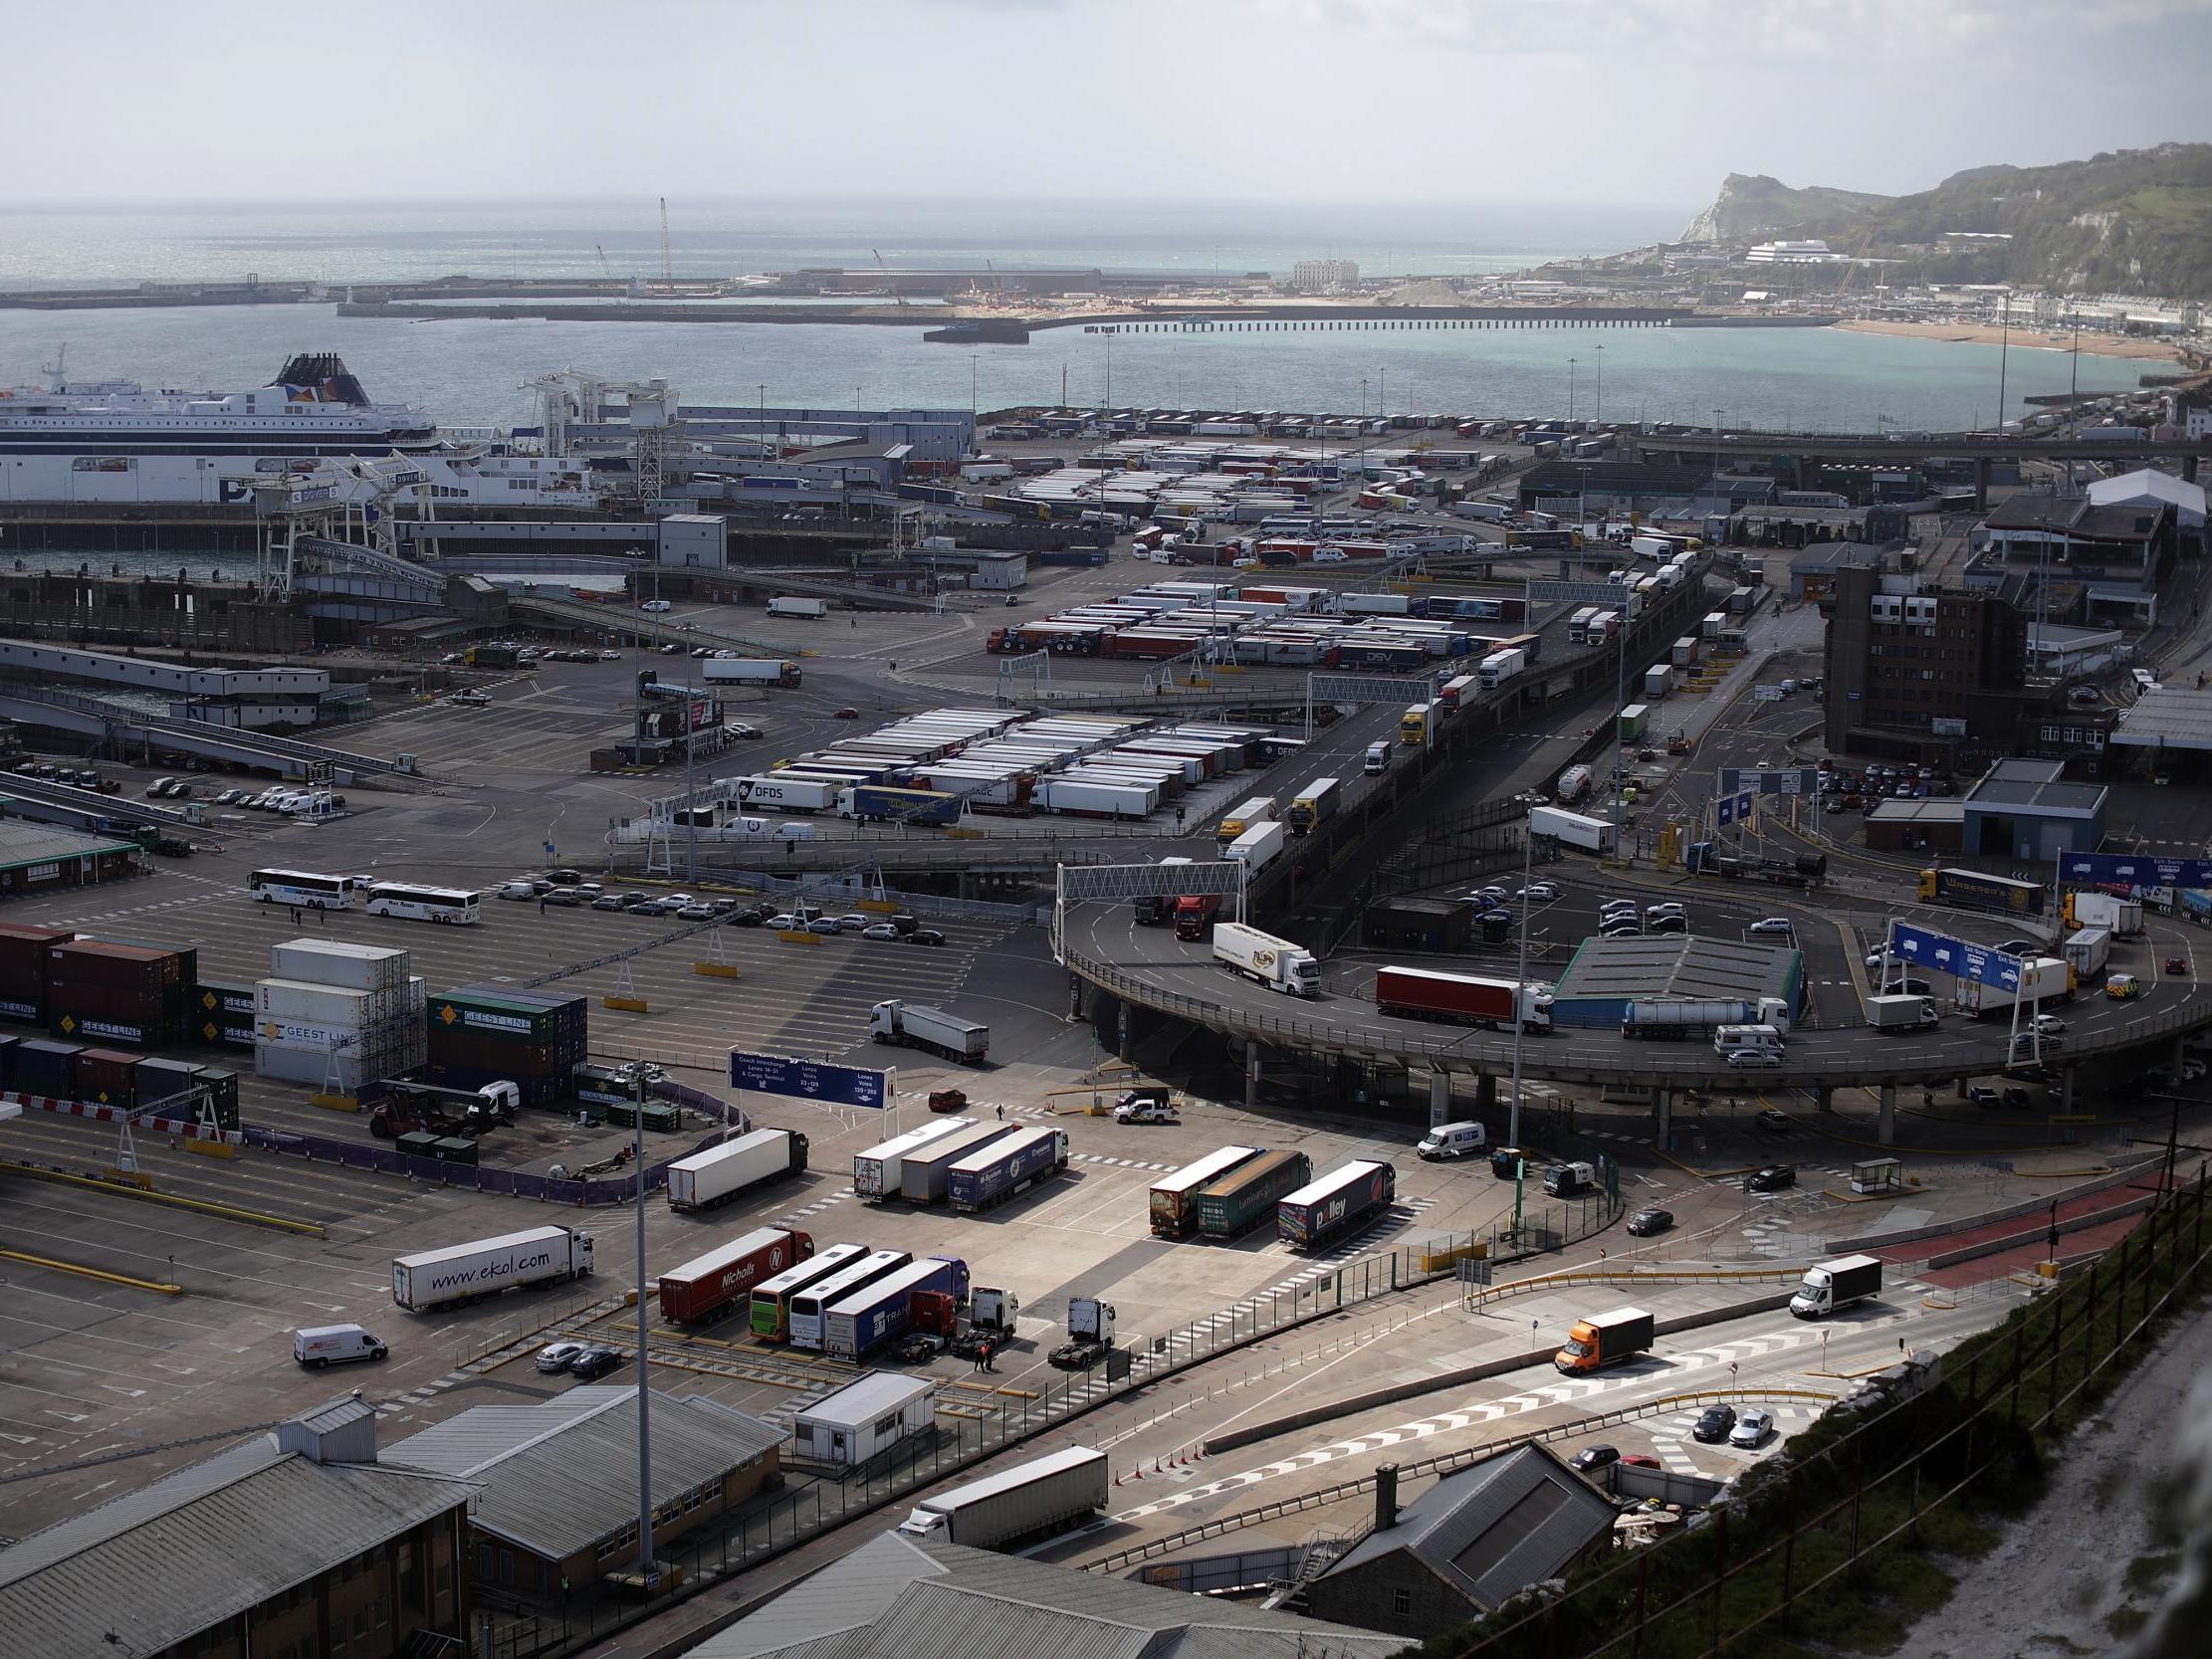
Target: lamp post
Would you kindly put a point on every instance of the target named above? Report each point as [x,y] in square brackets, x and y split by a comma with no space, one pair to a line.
[1597,396]
[645,1568]
[1570,388]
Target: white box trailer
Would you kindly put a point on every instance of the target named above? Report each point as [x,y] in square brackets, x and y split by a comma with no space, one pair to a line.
[774,792]
[791,605]
[1095,800]
[1034,1500]
[1278,964]
[871,1414]
[484,1267]
[722,1172]
[1259,847]
[923,1173]
[1591,835]
[877,1172]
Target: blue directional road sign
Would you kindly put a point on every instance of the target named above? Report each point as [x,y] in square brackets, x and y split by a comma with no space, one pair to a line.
[774,1074]
[2134,870]
[1732,809]
[1923,948]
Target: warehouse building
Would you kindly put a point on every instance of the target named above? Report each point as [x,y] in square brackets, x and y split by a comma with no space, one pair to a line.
[558,1480]
[1607,974]
[37,858]
[296,1542]
[1932,826]
[1467,1546]
[898,1597]
[2025,809]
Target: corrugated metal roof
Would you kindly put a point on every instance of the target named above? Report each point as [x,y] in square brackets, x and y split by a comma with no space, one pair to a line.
[864,1400]
[563,1475]
[1493,1530]
[202,1545]
[901,1598]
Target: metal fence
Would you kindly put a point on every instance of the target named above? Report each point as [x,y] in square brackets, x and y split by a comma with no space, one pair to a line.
[814,1502]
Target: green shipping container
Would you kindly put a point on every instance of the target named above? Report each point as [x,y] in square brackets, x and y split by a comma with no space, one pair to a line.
[660,1116]
[1247,1194]
[418,1143]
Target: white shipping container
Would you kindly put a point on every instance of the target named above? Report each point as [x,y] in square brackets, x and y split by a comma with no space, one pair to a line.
[323,1004]
[361,967]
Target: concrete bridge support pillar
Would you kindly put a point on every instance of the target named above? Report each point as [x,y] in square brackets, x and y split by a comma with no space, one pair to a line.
[2188,469]
[1251,1073]
[1663,1116]
[2062,1092]
[1824,1100]
[1485,1091]
[1124,1037]
[1439,1098]
[1981,479]
[1885,1127]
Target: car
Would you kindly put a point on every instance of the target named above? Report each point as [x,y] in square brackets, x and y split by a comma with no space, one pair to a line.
[782,921]
[726,908]
[1594,1457]
[846,715]
[2020,947]
[1496,894]
[1774,1121]
[739,728]
[924,936]
[566,898]
[594,1362]
[1747,1059]
[607,655]
[880,931]
[655,606]
[154,790]
[1642,1460]
[1772,927]
[750,916]
[1542,892]
[608,902]
[1146,1107]
[700,651]
[230,797]
[559,1357]
[1980,1095]
[178,791]
[514,889]
[1605,906]
[1771,1177]
[821,925]
[1645,1222]
[1714,1424]
[2049,1025]
[671,649]
[695,912]
[1753,1429]
[856,921]
[1331,555]
[2177,964]
[1621,929]
[1671,925]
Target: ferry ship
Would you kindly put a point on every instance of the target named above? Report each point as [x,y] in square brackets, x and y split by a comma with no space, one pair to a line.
[116,441]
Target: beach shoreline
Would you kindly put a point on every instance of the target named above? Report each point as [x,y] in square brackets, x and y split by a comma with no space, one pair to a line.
[2021,340]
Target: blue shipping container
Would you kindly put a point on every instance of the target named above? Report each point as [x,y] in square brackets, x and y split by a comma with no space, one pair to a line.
[1002,1168]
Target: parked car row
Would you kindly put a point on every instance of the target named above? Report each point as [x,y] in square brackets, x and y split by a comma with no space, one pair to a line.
[572,889]
[1623,918]
[290,803]
[83,777]
[583,1361]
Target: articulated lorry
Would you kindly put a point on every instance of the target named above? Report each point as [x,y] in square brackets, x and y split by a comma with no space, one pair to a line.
[1193,915]
[466,1272]
[1590,835]
[1335,1203]
[1678,1019]
[748,671]
[996,1173]
[1971,889]
[2044,979]
[721,1280]
[1605,1340]
[1175,1198]
[1236,1203]
[909,1025]
[720,1173]
[1034,1500]
[1262,957]
[1828,1286]
[1460,998]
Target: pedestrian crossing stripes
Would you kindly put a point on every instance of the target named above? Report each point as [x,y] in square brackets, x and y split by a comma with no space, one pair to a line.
[1126,1163]
[817,1207]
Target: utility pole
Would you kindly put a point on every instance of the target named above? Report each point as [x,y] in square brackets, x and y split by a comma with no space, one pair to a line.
[1520,989]
[1570,388]
[645,1566]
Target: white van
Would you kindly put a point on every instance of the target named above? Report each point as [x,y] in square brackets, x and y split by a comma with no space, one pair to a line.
[1728,1039]
[1377,759]
[1453,1141]
[333,1345]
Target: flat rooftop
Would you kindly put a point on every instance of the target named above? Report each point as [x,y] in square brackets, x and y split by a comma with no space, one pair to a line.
[2172,717]
[1682,966]
[2034,787]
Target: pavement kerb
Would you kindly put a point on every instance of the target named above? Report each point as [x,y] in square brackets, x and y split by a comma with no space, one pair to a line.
[1331,1410]
[2031,1235]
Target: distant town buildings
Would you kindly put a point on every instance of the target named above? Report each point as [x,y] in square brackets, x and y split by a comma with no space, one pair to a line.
[1325,276]
[1813,251]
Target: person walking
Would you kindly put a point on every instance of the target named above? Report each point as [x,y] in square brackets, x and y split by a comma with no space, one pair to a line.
[987,1364]
[540,903]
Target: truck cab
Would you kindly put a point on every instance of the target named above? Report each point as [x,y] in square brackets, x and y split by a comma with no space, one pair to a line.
[1376,760]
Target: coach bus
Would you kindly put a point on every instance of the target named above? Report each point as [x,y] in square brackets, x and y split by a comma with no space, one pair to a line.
[413,903]
[305,888]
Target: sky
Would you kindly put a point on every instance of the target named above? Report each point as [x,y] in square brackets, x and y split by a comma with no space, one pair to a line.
[1504,102]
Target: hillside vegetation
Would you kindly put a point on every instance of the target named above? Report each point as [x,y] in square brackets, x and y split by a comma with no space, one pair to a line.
[2130,221]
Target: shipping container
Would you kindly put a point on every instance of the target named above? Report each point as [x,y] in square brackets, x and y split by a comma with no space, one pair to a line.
[104,1075]
[1236,1203]
[721,1280]
[363,967]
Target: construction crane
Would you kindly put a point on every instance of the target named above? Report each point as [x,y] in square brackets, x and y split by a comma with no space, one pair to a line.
[895,296]
[605,270]
[668,268]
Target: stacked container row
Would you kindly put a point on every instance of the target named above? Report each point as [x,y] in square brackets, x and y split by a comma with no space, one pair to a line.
[481,1034]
